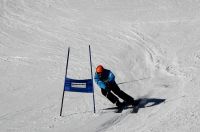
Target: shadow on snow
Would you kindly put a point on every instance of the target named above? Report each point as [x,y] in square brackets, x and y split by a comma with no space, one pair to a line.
[144,102]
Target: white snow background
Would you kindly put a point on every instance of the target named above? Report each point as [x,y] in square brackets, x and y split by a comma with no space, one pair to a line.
[152,47]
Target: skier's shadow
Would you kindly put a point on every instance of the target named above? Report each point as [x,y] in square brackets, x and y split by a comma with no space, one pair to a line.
[149,102]
[144,102]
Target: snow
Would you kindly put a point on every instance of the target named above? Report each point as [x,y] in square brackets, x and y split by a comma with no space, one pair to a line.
[152,47]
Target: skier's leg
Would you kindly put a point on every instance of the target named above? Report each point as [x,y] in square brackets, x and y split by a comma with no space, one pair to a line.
[115,88]
[110,96]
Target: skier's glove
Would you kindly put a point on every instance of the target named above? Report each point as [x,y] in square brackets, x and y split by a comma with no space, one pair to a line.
[107,89]
[106,82]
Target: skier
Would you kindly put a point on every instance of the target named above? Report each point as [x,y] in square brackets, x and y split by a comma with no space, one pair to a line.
[105,79]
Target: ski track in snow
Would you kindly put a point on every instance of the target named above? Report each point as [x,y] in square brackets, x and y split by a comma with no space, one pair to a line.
[152,48]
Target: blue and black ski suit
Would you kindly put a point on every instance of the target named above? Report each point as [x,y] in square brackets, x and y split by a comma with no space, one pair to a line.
[106,81]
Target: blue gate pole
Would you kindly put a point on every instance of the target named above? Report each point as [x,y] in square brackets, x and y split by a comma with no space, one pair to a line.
[64,82]
[92,78]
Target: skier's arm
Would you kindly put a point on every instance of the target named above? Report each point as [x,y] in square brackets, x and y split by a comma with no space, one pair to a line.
[100,83]
[111,77]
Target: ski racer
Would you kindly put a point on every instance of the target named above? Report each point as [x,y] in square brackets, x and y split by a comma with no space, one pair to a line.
[105,79]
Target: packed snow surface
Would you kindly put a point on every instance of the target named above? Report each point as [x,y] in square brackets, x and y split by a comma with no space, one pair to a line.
[152,47]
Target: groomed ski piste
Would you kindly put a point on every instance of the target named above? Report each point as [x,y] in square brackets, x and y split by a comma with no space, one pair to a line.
[152,47]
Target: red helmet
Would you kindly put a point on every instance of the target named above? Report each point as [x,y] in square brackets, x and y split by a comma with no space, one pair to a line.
[99,69]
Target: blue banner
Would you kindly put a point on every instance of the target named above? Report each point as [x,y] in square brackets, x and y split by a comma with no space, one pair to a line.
[72,85]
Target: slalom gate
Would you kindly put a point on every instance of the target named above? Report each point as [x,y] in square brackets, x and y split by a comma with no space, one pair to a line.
[74,85]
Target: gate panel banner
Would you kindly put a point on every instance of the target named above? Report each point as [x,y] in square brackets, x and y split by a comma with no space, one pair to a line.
[72,85]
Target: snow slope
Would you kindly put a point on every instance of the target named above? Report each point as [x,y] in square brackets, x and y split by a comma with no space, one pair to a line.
[151,46]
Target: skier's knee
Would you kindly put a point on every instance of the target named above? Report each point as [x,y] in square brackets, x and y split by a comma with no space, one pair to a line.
[104,92]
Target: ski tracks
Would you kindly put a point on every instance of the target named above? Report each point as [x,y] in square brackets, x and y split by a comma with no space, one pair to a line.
[116,119]
[153,53]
